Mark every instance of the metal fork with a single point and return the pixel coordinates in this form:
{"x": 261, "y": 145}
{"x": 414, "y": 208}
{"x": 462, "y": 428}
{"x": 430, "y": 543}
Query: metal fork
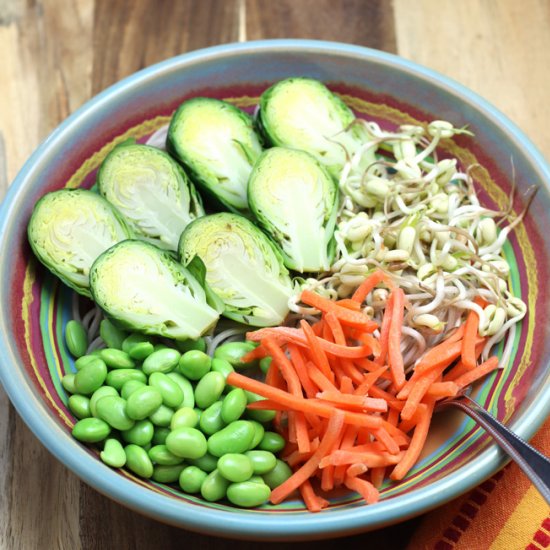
{"x": 533, "y": 463}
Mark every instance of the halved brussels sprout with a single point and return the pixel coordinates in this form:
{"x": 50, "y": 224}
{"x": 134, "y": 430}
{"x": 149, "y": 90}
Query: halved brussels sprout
{"x": 218, "y": 146}
{"x": 296, "y": 202}
{"x": 69, "y": 229}
{"x": 304, "y": 114}
{"x": 143, "y": 288}
{"x": 243, "y": 267}
{"x": 151, "y": 191}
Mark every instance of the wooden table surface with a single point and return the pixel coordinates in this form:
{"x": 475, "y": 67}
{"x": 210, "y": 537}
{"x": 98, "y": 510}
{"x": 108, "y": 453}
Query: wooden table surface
{"x": 56, "y": 54}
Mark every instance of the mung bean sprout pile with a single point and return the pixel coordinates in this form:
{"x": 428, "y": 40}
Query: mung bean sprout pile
{"x": 418, "y": 217}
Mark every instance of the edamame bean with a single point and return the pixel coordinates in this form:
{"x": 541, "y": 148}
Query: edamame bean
{"x": 68, "y": 382}
{"x": 191, "y": 479}
{"x": 90, "y": 377}
{"x": 162, "y": 360}
{"x": 187, "y": 443}
{"x": 278, "y": 475}
{"x": 186, "y": 388}
{"x": 113, "y": 453}
{"x": 233, "y": 352}
{"x": 265, "y": 363}
{"x": 214, "y": 486}
{"x": 186, "y": 417}
{"x": 91, "y": 430}
{"x": 112, "y": 409}
{"x": 111, "y": 334}
{"x": 272, "y": 441}
{"x": 76, "y": 338}
{"x": 187, "y": 345}
{"x": 143, "y": 402}
{"x": 117, "y": 378}
{"x": 138, "y": 346}
{"x": 234, "y": 405}
{"x": 209, "y": 389}
{"x": 86, "y": 360}
{"x": 116, "y": 359}
{"x": 160, "y": 454}
{"x": 167, "y": 474}
{"x": 211, "y": 419}
{"x": 98, "y": 394}
{"x": 222, "y": 366}
{"x": 141, "y": 433}
{"x": 80, "y": 406}
{"x": 128, "y": 388}
{"x": 262, "y": 461}
{"x": 172, "y": 394}
{"x": 194, "y": 364}
{"x": 258, "y": 436}
{"x": 162, "y": 416}
{"x": 160, "y": 435}
{"x": 138, "y": 461}
{"x": 234, "y": 438}
{"x": 256, "y": 479}
{"x": 248, "y": 494}
{"x": 259, "y": 415}
{"x": 235, "y": 467}
{"x": 207, "y": 463}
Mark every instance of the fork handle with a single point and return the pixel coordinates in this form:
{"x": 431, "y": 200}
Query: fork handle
{"x": 534, "y": 464}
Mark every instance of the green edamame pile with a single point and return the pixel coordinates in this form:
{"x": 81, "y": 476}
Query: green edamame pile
{"x": 166, "y": 413}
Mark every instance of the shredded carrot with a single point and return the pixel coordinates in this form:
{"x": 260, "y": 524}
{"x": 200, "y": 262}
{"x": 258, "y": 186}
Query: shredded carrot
{"x": 341, "y": 395}
{"x": 467, "y": 378}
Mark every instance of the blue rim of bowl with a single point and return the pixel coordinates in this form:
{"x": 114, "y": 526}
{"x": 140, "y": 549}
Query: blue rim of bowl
{"x": 242, "y": 524}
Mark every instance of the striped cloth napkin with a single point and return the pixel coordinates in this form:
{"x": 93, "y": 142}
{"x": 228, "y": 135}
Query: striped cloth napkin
{"x": 504, "y": 513}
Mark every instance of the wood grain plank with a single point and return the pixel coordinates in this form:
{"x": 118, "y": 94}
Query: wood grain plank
{"x": 132, "y": 34}
{"x": 363, "y": 22}
{"x": 499, "y": 49}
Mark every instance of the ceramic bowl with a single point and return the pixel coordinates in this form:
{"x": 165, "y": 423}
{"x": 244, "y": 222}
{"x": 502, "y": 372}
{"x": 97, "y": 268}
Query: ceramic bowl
{"x": 378, "y": 86}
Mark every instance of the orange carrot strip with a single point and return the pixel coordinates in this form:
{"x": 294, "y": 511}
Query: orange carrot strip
{"x": 316, "y": 351}
{"x": 363, "y": 487}
{"x": 485, "y": 368}
{"x": 346, "y": 385}
{"x": 460, "y": 368}
{"x": 313, "y": 502}
{"x": 345, "y": 315}
{"x": 257, "y": 353}
{"x": 440, "y": 356}
{"x": 350, "y": 370}
{"x": 471, "y": 327}
{"x": 283, "y": 335}
{"x": 442, "y": 389}
{"x": 386, "y": 439}
{"x": 455, "y": 336}
{"x": 300, "y": 367}
{"x": 355, "y": 470}
{"x": 333, "y": 323}
{"x": 391, "y": 400}
{"x": 385, "y": 331}
{"x": 377, "y": 475}
{"x": 417, "y": 443}
{"x": 394, "y": 339}
{"x": 327, "y": 476}
{"x": 359, "y": 401}
{"x": 301, "y": 404}
{"x": 302, "y": 436}
{"x": 349, "y": 303}
{"x": 369, "y": 380}
{"x": 334, "y": 429}
{"x": 367, "y": 286}
{"x": 417, "y": 393}
{"x": 285, "y": 366}
{"x": 319, "y": 379}
{"x": 373, "y": 459}
{"x": 348, "y": 439}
